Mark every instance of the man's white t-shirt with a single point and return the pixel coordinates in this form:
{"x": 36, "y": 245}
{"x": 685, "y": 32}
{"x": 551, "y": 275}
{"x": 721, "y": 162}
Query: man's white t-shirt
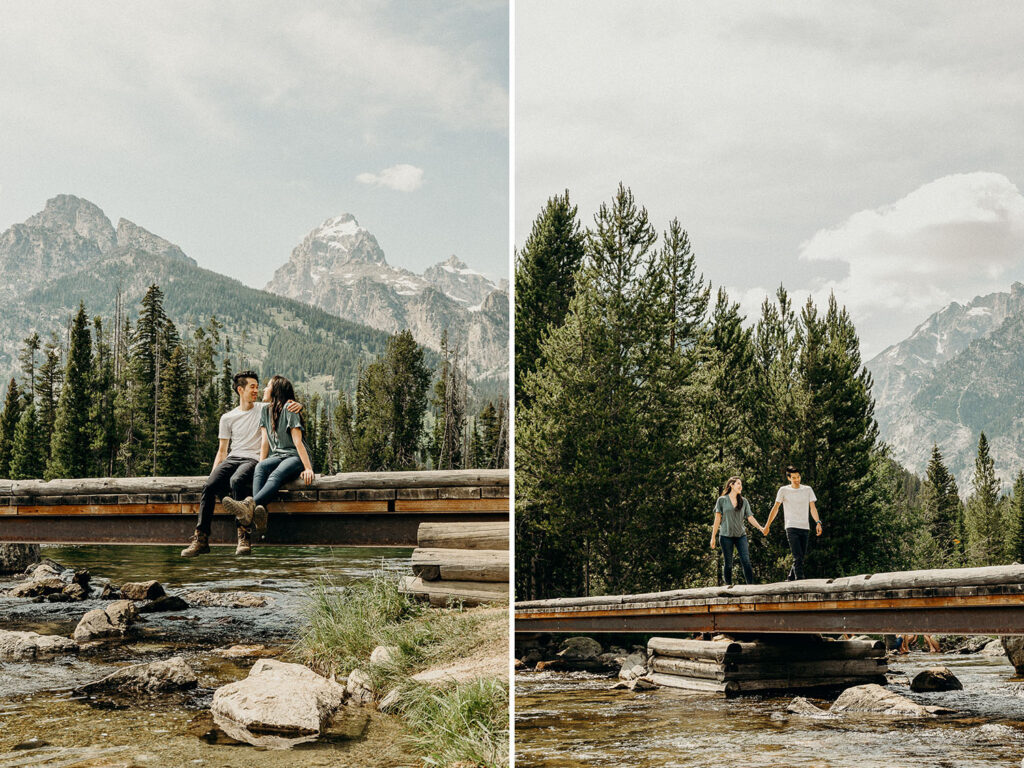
{"x": 796, "y": 505}
{"x": 242, "y": 428}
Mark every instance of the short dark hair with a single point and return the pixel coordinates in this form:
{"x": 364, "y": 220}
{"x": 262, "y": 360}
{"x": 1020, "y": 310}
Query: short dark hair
{"x": 791, "y": 469}
{"x": 241, "y": 376}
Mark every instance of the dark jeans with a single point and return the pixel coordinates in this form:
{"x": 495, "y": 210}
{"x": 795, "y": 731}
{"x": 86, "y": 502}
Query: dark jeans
{"x": 232, "y": 477}
{"x": 271, "y": 474}
{"x": 799, "y": 540}
{"x": 740, "y": 542}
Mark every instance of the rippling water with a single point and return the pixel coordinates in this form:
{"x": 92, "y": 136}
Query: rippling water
{"x": 574, "y": 720}
{"x": 43, "y": 723}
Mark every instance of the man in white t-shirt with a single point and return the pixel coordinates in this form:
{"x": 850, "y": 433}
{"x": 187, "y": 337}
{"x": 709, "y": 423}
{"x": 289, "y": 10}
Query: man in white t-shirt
{"x": 237, "y": 454}
{"x": 796, "y": 500}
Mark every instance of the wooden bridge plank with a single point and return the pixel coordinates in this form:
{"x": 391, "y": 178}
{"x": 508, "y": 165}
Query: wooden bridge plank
{"x": 451, "y": 505}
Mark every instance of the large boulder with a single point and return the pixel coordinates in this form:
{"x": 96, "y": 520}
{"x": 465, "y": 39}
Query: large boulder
{"x": 992, "y": 648}
{"x": 142, "y": 590}
{"x": 874, "y": 699}
{"x": 113, "y": 621}
{"x": 15, "y": 558}
{"x": 28, "y": 646}
{"x": 51, "y": 585}
{"x": 1014, "y": 647}
{"x": 156, "y": 677}
{"x": 633, "y": 666}
{"x": 580, "y": 649}
{"x": 935, "y": 679}
{"x": 279, "y": 698}
{"x": 206, "y": 598}
{"x": 803, "y": 707}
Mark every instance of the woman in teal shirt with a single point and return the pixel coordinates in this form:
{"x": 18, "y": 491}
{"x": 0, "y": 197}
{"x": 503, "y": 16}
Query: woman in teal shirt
{"x": 730, "y": 511}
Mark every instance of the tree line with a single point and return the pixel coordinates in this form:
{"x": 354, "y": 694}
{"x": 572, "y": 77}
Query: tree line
{"x": 640, "y": 390}
{"x": 124, "y": 398}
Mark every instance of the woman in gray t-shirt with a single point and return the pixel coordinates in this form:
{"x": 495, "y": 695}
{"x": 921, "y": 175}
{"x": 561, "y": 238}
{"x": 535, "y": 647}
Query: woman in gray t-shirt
{"x": 730, "y": 511}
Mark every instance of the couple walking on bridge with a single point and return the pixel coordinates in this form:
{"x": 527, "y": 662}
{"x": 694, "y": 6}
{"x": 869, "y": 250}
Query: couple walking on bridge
{"x": 732, "y": 509}
{"x": 261, "y": 448}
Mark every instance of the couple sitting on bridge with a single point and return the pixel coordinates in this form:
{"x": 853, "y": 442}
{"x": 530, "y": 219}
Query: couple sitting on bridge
{"x": 731, "y": 509}
{"x": 268, "y": 432}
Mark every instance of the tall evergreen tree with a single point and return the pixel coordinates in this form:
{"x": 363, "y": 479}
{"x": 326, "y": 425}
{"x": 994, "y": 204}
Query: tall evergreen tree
{"x": 943, "y": 512}
{"x": 175, "y": 436}
{"x": 69, "y": 443}
{"x": 449, "y": 410}
{"x": 28, "y": 458}
{"x": 49, "y": 376}
{"x": 982, "y": 515}
{"x": 102, "y": 418}
{"x": 27, "y": 358}
{"x": 9, "y": 418}
{"x": 1014, "y": 525}
{"x": 544, "y": 281}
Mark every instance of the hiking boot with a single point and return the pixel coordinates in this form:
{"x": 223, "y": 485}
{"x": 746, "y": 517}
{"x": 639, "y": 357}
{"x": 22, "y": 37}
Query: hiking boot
{"x": 259, "y": 519}
{"x": 200, "y": 545}
{"x": 244, "y": 542}
{"x": 242, "y": 510}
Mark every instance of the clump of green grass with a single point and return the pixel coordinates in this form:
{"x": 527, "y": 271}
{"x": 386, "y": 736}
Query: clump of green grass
{"x": 461, "y": 722}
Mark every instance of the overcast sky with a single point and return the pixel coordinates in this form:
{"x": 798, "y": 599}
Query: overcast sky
{"x": 873, "y": 149}
{"x": 232, "y": 128}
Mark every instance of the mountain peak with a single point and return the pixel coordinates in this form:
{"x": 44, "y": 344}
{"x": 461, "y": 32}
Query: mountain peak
{"x": 339, "y": 240}
{"x": 454, "y": 261}
{"x": 131, "y": 235}
{"x": 65, "y": 214}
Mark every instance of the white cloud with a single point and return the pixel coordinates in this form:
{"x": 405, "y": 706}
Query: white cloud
{"x": 949, "y": 240}
{"x": 401, "y": 177}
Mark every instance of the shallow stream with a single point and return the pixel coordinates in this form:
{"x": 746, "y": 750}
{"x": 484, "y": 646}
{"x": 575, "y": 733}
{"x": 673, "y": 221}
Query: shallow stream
{"x": 43, "y": 723}
{"x": 571, "y": 720}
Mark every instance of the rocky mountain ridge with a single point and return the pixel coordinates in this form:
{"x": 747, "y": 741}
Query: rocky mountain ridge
{"x": 957, "y": 374}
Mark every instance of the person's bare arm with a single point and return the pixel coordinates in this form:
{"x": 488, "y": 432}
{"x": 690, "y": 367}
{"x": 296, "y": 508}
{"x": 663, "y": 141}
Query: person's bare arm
{"x": 817, "y": 519}
{"x": 714, "y": 528}
{"x": 771, "y": 516}
{"x": 264, "y": 444}
{"x": 293, "y": 406}
{"x": 222, "y": 452}
{"x": 753, "y": 522}
{"x": 300, "y": 446}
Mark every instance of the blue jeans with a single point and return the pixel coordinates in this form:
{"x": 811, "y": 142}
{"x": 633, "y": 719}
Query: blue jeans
{"x": 740, "y": 542}
{"x": 271, "y": 474}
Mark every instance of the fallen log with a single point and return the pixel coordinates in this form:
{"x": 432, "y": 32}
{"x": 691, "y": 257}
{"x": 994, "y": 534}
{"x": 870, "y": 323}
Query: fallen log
{"x": 468, "y": 592}
{"x": 463, "y": 535}
{"x": 461, "y": 564}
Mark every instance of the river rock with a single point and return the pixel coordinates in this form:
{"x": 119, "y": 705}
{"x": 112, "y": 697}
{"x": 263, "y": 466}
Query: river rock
{"x": 246, "y": 652}
{"x": 163, "y": 604}
{"x": 75, "y": 592}
{"x": 359, "y": 686}
{"x": 100, "y": 623}
{"x": 532, "y": 656}
{"x": 142, "y": 590}
{"x": 155, "y": 677}
{"x": 992, "y": 648}
{"x": 801, "y": 706}
{"x": 27, "y": 646}
{"x": 50, "y": 585}
{"x": 873, "y": 698}
{"x": 15, "y": 558}
{"x": 935, "y": 679}
{"x": 279, "y": 698}
{"x": 49, "y": 569}
{"x": 207, "y": 599}
{"x": 633, "y": 666}
{"x": 552, "y": 665}
{"x": 1013, "y": 645}
{"x": 383, "y": 654}
{"x": 580, "y": 649}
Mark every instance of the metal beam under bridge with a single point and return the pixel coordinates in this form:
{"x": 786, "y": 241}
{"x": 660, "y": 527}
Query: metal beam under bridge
{"x": 350, "y": 509}
{"x": 965, "y": 601}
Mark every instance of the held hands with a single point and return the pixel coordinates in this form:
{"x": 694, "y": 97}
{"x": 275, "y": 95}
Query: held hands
{"x": 307, "y": 476}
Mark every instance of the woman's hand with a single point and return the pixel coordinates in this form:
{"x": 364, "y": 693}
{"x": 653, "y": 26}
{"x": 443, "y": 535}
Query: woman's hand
{"x": 712, "y": 542}
{"x": 307, "y": 476}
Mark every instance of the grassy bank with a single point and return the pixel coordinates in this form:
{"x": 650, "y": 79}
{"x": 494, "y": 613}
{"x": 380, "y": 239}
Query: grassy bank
{"x": 448, "y": 722}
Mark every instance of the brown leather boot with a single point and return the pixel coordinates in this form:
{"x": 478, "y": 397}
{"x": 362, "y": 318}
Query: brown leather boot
{"x": 244, "y": 542}
{"x": 200, "y": 545}
{"x": 242, "y": 510}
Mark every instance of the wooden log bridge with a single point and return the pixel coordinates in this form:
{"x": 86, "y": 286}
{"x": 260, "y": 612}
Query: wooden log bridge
{"x": 953, "y": 601}
{"x": 350, "y": 509}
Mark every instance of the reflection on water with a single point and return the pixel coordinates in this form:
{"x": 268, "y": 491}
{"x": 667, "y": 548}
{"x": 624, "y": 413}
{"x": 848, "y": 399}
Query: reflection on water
{"x": 573, "y": 720}
{"x": 42, "y": 722}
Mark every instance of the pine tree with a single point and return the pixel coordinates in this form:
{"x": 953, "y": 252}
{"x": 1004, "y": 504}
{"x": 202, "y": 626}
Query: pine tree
{"x": 175, "y": 437}
{"x": 1014, "y": 526}
{"x": 27, "y": 458}
{"x": 490, "y": 433}
{"x": 9, "y": 417}
{"x": 544, "y": 282}
{"x": 345, "y": 445}
{"x": 449, "y": 411}
{"x": 70, "y": 441}
{"x": 982, "y": 515}
{"x": 102, "y": 419}
{"x": 27, "y": 358}
{"x": 49, "y": 376}
{"x": 943, "y": 512}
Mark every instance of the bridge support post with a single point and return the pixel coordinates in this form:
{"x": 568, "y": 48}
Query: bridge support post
{"x": 779, "y": 663}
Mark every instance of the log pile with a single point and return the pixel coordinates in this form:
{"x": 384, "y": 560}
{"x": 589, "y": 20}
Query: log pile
{"x": 460, "y": 562}
{"x": 770, "y": 664}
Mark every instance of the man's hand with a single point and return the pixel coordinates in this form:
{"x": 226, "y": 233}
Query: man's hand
{"x": 765, "y": 530}
{"x": 818, "y": 531}
{"x": 293, "y": 406}
{"x": 712, "y": 542}
{"x": 307, "y": 476}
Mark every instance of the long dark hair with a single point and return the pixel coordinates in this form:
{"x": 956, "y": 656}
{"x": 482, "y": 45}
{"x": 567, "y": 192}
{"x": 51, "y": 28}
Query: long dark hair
{"x": 728, "y": 487}
{"x": 281, "y": 391}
